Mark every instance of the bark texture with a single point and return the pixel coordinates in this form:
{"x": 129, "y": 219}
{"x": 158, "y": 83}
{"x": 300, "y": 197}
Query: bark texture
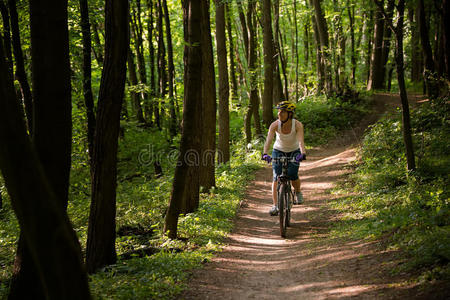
{"x": 192, "y": 15}
{"x": 100, "y": 248}
{"x": 223, "y": 147}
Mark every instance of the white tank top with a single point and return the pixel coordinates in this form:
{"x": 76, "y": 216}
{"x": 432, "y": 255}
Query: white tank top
{"x": 286, "y": 142}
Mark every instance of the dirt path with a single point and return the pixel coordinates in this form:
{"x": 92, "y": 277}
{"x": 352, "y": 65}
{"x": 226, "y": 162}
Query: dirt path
{"x": 257, "y": 263}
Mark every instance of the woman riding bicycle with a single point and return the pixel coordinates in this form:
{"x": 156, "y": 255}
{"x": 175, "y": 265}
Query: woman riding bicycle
{"x": 289, "y": 143}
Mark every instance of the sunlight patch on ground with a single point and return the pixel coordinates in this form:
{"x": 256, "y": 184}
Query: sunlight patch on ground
{"x": 307, "y": 286}
{"x": 317, "y": 185}
{"x": 351, "y": 290}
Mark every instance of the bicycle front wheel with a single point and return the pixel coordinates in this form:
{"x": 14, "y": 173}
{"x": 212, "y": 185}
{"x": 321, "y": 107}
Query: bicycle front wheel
{"x": 283, "y": 206}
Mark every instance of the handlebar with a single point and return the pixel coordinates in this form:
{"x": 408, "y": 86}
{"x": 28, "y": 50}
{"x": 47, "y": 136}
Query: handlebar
{"x": 284, "y": 159}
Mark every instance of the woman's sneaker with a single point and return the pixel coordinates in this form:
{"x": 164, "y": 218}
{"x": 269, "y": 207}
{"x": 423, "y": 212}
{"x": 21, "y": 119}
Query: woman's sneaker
{"x": 274, "y": 210}
{"x": 298, "y": 199}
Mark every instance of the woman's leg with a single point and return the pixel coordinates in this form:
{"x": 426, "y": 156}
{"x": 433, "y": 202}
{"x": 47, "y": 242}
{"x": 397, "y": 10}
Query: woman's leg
{"x": 274, "y": 192}
{"x": 296, "y": 184}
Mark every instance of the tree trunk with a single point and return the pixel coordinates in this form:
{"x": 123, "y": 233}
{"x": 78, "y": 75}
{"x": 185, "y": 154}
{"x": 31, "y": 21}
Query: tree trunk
{"x": 190, "y": 139}
{"x": 446, "y": 33}
{"x": 306, "y": 37}
{"x": 438, "y": 57}
{"x": 267, "y": 101}
{"x": 134, "y": 95}
{"x": 228, "y": 21}
{"x": 253, "y": 110}
{"x": 21, "y": 75}
{"x": 401, "y": 84}
{"x": 389, "y": 79}
{"x": 6, "y": 37}
{"x": 416, "y": 54}
{"x": 322, "y": 29}
{"x": 428, "y": 72}
{"x": 48, "y": 247}
{"x": 162, "y": 75}
{"x": 369, "y": 41}
{"x": 351, "y": 17}
{"x": 139, "y": 47}
{"x": 376, "y": 60}
{"x": 100, "y": 248}
{"x": 171, "y": 70}
{"x": 296, "y": 52}
{"x": 319, "y": 61}
{"x": 98, "y": 49}
{"x": 209, "y": 106}
{"x": 283, "y": 62}
{"x": 45, "y": 227}
{"x": 223, "y": 147}
{"x": 277, "y": 85}
{"x": 245, "y": 32}
{"x": 386, "y": 41}
{"x": 245, "y": 35}
{"x": 150, "y": 105}
{"x": 87, "y": 87}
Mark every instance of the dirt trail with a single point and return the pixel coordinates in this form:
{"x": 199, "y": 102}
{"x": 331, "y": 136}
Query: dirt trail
{"x": 257, "y": 263}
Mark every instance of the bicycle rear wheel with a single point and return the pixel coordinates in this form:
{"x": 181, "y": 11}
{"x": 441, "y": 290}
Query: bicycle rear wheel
{"x": 288, "y": 208}
{"x": 282, "y": 206}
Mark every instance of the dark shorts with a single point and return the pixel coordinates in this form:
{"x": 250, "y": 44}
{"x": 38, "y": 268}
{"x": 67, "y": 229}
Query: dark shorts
{"x": 292, "y": 167}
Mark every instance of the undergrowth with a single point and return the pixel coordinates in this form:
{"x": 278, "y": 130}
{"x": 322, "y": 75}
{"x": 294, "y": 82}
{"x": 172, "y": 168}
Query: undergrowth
{"x": 410, "y": 211}
{"x": 324, "y": 118}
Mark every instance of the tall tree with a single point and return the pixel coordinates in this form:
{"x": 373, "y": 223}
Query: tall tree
{"x": 253, "y": 107}
{"x": 150, "y": 104}
{"x": 295, "y": 58}
{"x": 209, "y": 106}
{"x": 278, "y": 94}
{"x": 409, "y": 148}
{"x": 137, "y": 30}
{"x": 267, "y": 100}
{"x": 428, "y": 72}
{"x": 406, "y": 122}
{"x": 231, "y": 51}
{"x": 376, "y": 66}
{"x": 416, "y": 54}
{"x": 87, "y": 86}
{"x": 320, "y": 67}
{"x": 20, "y": 74}
{"x": 351, "y": 17}
{"x": 100, "y": 248}
{"x": 322, "y": 30}
{"x": 98, "y": 49}
{"x": 171, "y": 72}
{"x": 386, "y": 45}
{"x": 190, "y": 139}
{"x": 223, "y": 147}
{"x": 6, "y": 36}
{"x": 161, "y": 57}
{"x": 46, "y": 231}
{"x": 446, "y": 18}
{"x": 134, "y": 82}
{"x": 52, "y": 137}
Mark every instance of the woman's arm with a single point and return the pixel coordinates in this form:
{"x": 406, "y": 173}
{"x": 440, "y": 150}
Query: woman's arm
{"x": 269, "y": 138}
{"x": 300, "y": 137}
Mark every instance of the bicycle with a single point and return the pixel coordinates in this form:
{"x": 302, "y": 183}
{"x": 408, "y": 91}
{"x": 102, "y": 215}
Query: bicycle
{"x": 285, "y": 194}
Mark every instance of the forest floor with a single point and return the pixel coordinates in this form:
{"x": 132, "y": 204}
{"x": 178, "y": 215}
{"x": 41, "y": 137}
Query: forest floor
{"x": 256, "y": 263}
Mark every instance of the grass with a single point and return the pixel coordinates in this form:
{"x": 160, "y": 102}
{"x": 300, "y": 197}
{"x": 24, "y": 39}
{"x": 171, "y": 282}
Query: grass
{"x": 410, "y": 210}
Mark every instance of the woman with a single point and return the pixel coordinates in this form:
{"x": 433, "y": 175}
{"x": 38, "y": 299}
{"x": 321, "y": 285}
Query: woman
{"x": 289, "y": 143}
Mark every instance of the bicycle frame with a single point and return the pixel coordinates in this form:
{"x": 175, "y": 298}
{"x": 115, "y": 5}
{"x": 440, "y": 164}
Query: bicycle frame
{"x": 285, "y": 194}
